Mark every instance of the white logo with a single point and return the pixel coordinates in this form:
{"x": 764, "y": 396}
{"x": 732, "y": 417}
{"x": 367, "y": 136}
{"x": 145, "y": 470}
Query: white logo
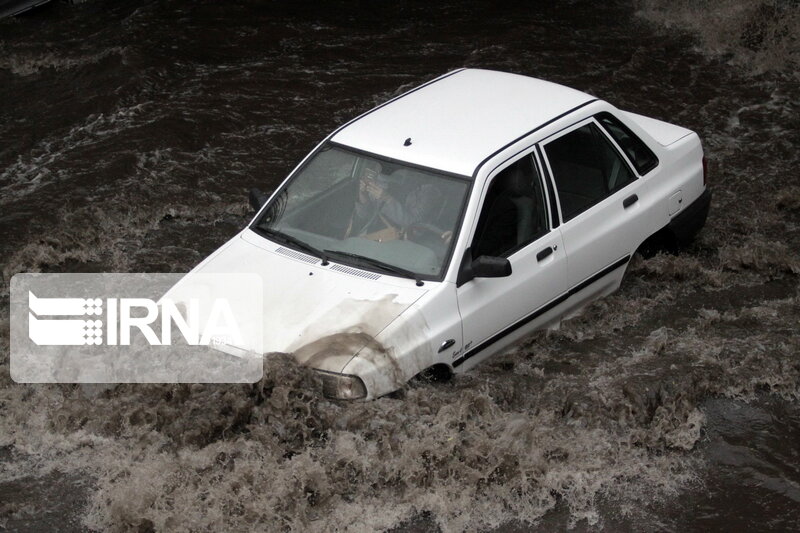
{"x": 136, "y": 328}
{"x": 121, "y": 318}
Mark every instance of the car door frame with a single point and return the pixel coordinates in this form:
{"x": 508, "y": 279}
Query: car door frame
{"x": 509, "y": 331}
{"x": 607, "y": 277}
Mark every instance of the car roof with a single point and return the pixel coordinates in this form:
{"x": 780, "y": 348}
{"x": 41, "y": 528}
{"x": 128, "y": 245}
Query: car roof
{"x": 457, "y": 120}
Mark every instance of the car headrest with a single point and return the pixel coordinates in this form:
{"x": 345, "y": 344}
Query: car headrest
{"x": 517, "y": 181}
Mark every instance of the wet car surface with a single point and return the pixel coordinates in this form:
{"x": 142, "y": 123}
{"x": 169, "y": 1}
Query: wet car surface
{"x": 460, "y": 216}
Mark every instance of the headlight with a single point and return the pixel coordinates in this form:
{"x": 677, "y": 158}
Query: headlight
{"x": 342, "y": 386}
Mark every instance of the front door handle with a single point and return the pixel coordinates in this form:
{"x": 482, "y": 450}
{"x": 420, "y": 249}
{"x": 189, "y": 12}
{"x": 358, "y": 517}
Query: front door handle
{"x": 541, "y": 256}
{"x": 629, "y": 201}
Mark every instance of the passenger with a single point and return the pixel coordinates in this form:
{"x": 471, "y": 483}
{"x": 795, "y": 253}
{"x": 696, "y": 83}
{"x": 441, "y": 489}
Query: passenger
{"x": 422, "y": 206}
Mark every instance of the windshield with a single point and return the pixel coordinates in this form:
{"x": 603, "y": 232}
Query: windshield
{"x": 369, "y": 212}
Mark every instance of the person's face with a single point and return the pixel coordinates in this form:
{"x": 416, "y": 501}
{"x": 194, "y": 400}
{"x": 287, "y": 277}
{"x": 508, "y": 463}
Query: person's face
{"x": 368, "y": 187}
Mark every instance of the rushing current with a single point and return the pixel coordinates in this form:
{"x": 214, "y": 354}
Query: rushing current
{"x": 130, "y": 132}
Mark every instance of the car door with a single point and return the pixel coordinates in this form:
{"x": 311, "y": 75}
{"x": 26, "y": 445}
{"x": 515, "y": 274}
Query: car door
{"x": 513, "y": 222}
{"x": 600, "y": 199}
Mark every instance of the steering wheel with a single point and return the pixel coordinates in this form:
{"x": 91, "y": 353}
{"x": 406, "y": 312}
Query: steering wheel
{"x": 423, "y": 233}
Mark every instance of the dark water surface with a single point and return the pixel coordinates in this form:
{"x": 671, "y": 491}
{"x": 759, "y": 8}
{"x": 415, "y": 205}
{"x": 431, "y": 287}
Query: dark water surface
{"x": 129, "y": 135}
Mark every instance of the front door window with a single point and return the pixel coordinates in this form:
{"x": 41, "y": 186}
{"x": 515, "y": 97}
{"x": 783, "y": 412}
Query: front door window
{"x": 513, "y": 212}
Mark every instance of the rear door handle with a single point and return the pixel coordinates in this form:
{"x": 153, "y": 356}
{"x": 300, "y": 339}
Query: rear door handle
{"x": 629, "y": 201}
{"x": 541, "y": 256}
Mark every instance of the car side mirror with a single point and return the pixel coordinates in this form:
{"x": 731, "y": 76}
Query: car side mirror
{"x": 484, "y": 266}
{"x": 491, "y": 267}
{"x": 257, "y": 198}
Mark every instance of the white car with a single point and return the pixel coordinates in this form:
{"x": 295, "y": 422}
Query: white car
{"x": 440, "y": 227}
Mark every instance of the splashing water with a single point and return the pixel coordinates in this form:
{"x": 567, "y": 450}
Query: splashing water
{"x": 128, "y": 144}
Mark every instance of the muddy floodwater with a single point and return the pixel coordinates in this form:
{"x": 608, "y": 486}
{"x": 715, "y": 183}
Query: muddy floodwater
{"x": 130, "y": 132}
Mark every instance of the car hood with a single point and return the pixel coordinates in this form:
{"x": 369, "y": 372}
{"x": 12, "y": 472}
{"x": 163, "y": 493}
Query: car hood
{"x": 322, "y": 316}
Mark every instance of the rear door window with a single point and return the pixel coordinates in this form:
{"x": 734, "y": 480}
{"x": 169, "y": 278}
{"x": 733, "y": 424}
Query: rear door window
{"x": 586, "y": 168}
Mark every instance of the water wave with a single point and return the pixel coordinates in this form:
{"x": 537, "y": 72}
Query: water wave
{"x": 29, "y": 63}
{"x": 761, "y": 36}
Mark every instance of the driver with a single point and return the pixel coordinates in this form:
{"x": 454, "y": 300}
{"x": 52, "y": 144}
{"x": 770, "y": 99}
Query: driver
{"x": 379, "y": 216}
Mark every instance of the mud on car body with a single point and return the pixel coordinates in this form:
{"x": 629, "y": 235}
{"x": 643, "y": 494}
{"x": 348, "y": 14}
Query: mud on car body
{"x": 440, "y": 227}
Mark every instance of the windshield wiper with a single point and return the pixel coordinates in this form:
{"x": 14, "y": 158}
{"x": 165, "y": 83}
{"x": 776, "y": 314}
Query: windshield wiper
{"x": 377, "y": 264}
{"x": 285, "y": 238}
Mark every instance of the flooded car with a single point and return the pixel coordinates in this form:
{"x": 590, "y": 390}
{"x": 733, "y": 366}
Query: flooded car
{"x": 444, "y": 225}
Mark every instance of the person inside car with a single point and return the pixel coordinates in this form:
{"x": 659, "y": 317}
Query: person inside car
{"x": 378, "y": 215}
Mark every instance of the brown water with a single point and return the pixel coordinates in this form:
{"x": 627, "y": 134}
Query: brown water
{"x": 129, "y": 134}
